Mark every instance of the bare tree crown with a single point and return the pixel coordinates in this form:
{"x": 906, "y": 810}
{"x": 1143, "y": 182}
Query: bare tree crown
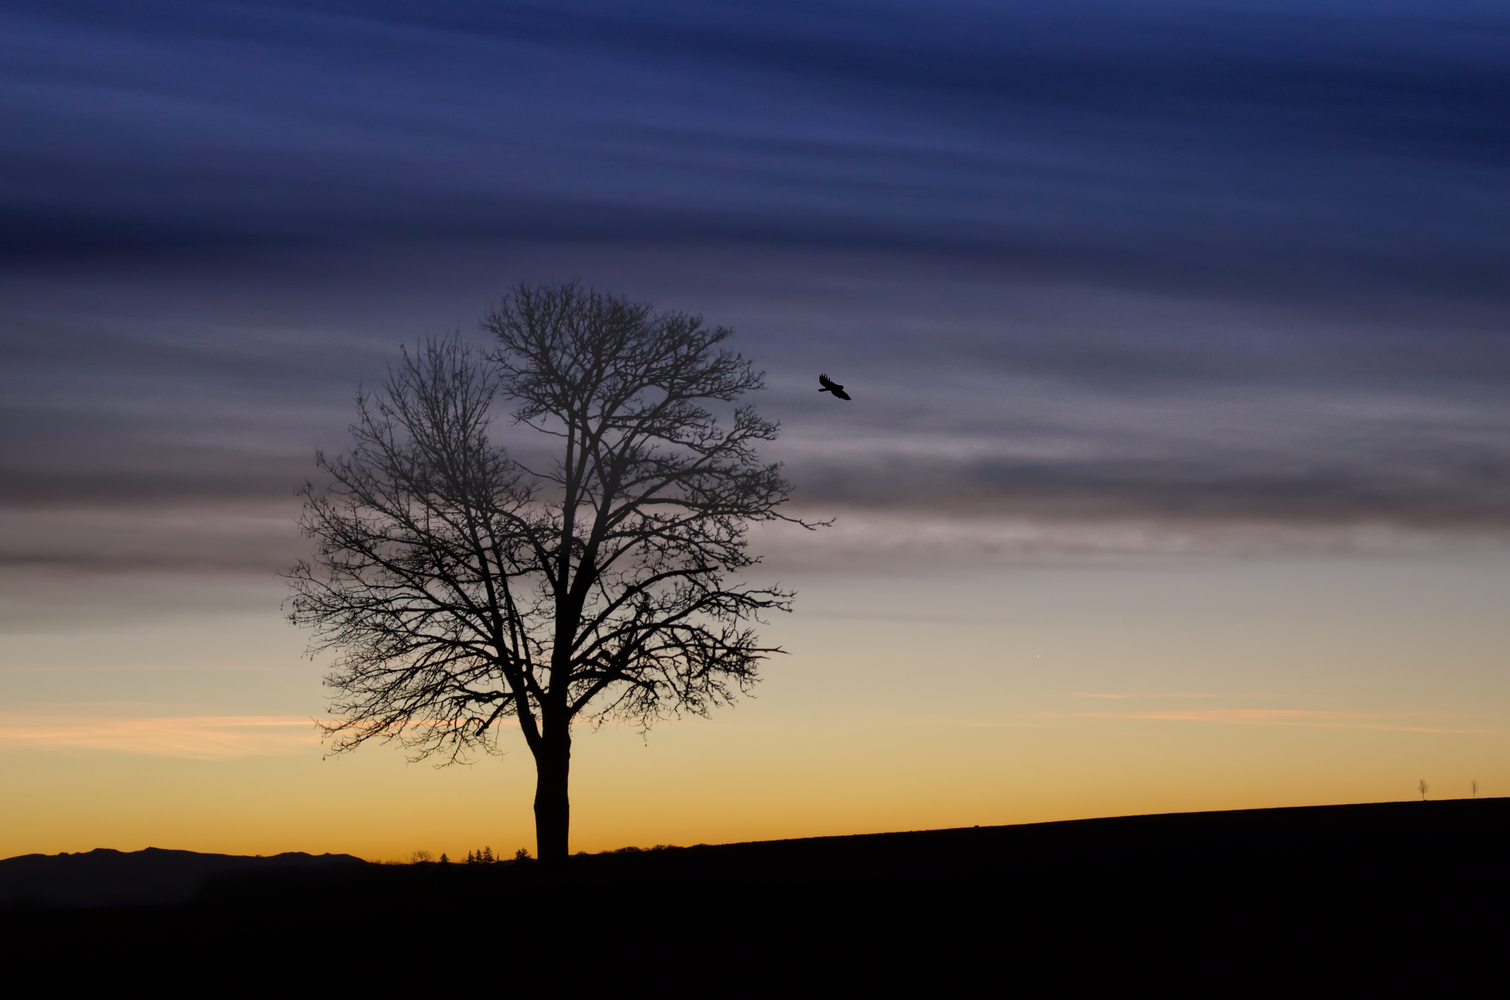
{"x": 461, "y": 588}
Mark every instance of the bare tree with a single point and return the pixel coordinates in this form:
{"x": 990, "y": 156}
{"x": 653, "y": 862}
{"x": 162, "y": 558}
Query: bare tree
{"x": 1423, "y": 788}
{"x": 463, "y": 590}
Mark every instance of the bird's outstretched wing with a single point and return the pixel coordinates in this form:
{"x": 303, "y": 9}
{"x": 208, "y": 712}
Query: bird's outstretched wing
{"x": 829, "y": 385}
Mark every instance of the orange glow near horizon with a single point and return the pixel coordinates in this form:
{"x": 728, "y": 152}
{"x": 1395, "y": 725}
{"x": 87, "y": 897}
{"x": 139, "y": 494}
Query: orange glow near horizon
{"x": 957, "y": 699}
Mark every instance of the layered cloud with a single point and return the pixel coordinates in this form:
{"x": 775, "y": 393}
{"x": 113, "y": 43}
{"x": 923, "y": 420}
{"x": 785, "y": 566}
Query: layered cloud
{"x": 1298, "y": 147}
{"x": 1146, "y": 276}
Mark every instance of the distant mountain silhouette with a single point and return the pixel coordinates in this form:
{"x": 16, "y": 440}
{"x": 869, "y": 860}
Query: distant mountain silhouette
{"x": 104, "y": 877}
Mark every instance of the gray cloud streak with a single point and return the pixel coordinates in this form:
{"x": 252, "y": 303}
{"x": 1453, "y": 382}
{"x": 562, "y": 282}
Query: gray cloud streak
{"x": 975, "y": 395}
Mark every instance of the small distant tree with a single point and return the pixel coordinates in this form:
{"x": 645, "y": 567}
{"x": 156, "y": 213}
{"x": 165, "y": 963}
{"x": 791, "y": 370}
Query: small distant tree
{"x": 1422, "y": 787}
{"x": 443, "y": 859}
{"x": 464, "y": 589}
{"x": 421, "y": 857}
{"x": 523, "y": 854}
{"x": 1475, "y": 788}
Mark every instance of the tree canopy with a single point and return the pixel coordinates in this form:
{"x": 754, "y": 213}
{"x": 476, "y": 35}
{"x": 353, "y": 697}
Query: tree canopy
{"x": 463, "y": 589}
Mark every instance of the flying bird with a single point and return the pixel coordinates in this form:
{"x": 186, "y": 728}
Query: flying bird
{"x": 831, "y": 386}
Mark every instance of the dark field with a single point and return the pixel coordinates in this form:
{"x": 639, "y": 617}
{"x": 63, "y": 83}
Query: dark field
{"x": 1270, "y": 887}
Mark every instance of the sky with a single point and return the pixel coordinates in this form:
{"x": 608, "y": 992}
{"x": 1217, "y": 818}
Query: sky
{"x": 1177, "y": 474}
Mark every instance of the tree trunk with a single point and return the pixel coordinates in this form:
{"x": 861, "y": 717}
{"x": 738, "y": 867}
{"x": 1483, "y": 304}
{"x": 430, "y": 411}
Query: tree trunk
{"x": 552, "y": 806}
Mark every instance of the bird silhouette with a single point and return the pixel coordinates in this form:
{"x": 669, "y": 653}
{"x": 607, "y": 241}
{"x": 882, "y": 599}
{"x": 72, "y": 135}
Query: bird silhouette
{"x": 829, "y": 385}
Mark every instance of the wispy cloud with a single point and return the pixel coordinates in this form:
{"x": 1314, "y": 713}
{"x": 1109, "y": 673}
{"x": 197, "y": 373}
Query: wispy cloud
{"x": 1159, "y": 694}
{"x": 1414, "y": 722}
{"x": 1313, "y": 718}
{"x": 1238, "y": 715}
{"x": 199, "y": 737}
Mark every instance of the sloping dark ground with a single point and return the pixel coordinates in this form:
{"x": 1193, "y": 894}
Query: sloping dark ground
{"x": 1270, "y": 887}
{"x": 104, "y": 877}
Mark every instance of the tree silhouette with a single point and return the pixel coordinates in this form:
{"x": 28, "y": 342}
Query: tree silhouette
{"x": 1423, "y": 788}
{"x": 463, "y": 589}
